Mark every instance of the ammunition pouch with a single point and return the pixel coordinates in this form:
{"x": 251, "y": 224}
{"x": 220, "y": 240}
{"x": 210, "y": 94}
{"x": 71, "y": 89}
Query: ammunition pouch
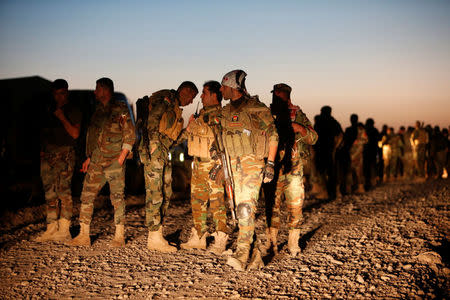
{"x": 173, "y": 131}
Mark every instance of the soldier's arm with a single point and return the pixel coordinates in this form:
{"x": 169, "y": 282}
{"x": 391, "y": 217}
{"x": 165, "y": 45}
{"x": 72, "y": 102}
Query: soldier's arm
{"x": 303, "y": 127}
{"x": 268, "y": 125}
{"x": 72, "y": 129}
{"x": 128, "y": 134}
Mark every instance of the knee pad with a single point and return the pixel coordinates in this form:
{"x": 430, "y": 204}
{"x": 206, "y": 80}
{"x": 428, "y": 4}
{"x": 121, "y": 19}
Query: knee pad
{"x": 243, "y": 211}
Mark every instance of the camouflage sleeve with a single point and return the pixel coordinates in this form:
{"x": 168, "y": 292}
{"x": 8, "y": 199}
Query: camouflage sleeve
{"x": 267, "y": 124}
{"x": 158, "y": 105}
{"x": 128, "y": 134}
{"x": 311, "y": 135}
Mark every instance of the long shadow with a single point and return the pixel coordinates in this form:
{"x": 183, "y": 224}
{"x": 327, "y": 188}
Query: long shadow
{"x": 303, "y": 241}
{"x": 174, "y": 237}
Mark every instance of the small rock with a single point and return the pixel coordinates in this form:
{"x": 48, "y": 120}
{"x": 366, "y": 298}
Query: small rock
{"x": 359, "y": 279}
{"x": 385, "y": 278}
{"x": 429, "y": 258}
{"x": 407, "y": 267}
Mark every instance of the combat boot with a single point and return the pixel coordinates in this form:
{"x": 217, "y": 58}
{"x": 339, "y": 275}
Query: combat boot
{"x": 256, "y": 261}
{"x": 239, "y": 258}
{"x": 119, "y": 236}
{"x": 272, "y": 238}
{"x": 315, "y": 189}
{"x": 157, "y": 242}
{"x": 48, "y": 234}
{"x": 360, "y": 189}
{"x": 322, "y": 195}
{"x": 83, "y": 238}
{"x": 63, "y": 233}
{"x": 194, "y": 241}
{"x": 293, "y": 247}
{"x": 220, "y": 243}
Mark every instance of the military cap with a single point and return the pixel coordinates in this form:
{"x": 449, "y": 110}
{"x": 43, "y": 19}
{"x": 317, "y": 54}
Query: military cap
{"x": 281, "y": 87}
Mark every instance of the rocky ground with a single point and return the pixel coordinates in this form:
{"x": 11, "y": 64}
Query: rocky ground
{"x": 391, "y": 242}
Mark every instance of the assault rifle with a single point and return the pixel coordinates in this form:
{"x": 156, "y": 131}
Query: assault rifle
{"x": 225, "y": 162}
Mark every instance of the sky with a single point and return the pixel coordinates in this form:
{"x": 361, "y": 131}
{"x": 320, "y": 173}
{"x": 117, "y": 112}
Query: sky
{"x": 388, "y": 60}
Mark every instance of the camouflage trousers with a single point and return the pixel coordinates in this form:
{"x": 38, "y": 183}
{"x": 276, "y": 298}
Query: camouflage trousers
{"x": 419, "y": 155}
{"x": 100, "y": 172}
{"x": 291, "y": 187}
{"x": 408, "y": 165}
{"x": 158, "y": 187}
{"x": 390, "y": 166}
{"x": 356, "y": 170}
{"x": 247, "y": 178}
{"x": 202, "y": 190}
{"x": 56, "y": 174}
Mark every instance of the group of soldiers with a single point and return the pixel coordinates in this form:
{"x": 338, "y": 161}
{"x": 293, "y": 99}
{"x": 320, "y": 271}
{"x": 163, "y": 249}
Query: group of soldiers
{"x": 235, "y": 149}
{"x": 361, "y": 157}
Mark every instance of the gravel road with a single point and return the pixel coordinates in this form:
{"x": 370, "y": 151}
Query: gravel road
{"x": 391, "y": 242}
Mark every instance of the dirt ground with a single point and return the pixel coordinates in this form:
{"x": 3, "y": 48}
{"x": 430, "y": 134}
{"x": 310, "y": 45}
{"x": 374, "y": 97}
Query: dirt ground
{"x": 391, "y": 242}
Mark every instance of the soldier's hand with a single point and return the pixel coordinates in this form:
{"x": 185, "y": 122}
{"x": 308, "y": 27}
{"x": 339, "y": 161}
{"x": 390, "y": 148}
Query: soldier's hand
{"x": 269, "y": 171}
{"x": 85, "y": 165}
{"x": 213, "y": 152}
{"x": 59, "y": 113}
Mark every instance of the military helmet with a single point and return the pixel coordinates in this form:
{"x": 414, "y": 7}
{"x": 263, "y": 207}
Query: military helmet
{"x": 235, "y": 79}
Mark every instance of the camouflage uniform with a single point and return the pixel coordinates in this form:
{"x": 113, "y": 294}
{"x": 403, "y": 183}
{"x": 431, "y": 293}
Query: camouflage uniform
{"x": 57, "y": 163}
{"x": 163, "y": 127}
{"x": 407, "y": 157}
{"x": 110, "y": 131}
{"x": 395, "y": 144}
{"x": 356, "y": 157}
{"x": 290, "y": 184}
{"x": 419, "y": 140}
{"x": 248, "y": 130}
{"x": 200, "y": 138}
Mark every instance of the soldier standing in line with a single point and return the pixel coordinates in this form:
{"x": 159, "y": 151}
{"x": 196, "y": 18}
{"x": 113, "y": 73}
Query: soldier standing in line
{"x": 200, "y": 138}
{"x": 371, "y": 153}
{"x": 249, "y": 136}
{"x": 407, "y": 156}
{"x": 294, "y": 140}
{"x": 419, "y": 141}
{"x": 163, "y": 127}
{"x": 58, "y": 137}
{"x": 395, "y": 144}
{"x": 356, "y": 159}
{"x": 109, "y": 139}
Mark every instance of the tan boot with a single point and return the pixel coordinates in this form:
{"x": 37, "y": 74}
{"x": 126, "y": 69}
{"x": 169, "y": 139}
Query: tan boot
{"x": 322, "y": 195}
{"x": 220, "y": 243}
{"x": 360, "y": 189}
{"x": 63, "y": 233}
{"x": 256, "y": 261}
{"x": 194, "y": 241}
{"x": 239, "y": 258}
{"x": 315, "y": 189}
{"x": 273, "y": 239}
{"x": 157, "y": 242}
{"x": 82, "y": 239}
{"x": 293, "y": 247}
{"x": 119, "y": 236}
{"x": 48, "y": 234}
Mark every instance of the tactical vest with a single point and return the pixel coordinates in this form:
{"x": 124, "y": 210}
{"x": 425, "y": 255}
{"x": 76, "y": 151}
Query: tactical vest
{"x": 242, "y": 134}
{"x": 201, "y": 136}
{"x": 174, "y": 131}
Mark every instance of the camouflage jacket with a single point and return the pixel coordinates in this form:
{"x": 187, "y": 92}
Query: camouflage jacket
{"x": 395, "y": 142}
{"x": 248, "y": 128}
{"x": 302, "y": 143}
{"x": 162, "y": 104}
{"x": 110, "y": 131}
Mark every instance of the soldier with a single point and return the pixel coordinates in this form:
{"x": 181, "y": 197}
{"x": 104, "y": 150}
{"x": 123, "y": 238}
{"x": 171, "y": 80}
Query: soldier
{"x": 419, "y": 141}
{"x": 295, "y": 136}
{"x": 163, "y": 127}
{"x": 249, "y": 136}
{"x": 356, "y": 157}
{"x": 327, "y": 151}
{"x": 407, "y": 157}
{"x": 371, "y": 153}
{"x": 109, "y": 139}
{"x": 200, "y": 138}
{"x": 394, "y": 144}
{"x": 58, "y": 138}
